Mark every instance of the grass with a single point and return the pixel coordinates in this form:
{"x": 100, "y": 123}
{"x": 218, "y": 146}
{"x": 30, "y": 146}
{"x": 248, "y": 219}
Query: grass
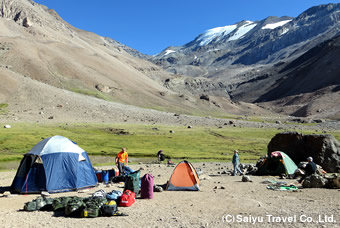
{"x": 91, "y": 93}
{"x": 195, "y": 144}
{"x": 3, "y": 108}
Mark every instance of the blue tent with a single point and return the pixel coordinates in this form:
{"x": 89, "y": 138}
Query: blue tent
{"x": 56, "y": 164}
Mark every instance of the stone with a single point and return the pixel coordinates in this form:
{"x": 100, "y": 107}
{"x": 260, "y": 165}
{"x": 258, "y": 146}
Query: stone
{"x": 204, "y": 97}
{"x": 314, "y": 181}
{"x": 27, "y": 22}
{"x": 246, "y": 178}
{"x": 323, "y": 148}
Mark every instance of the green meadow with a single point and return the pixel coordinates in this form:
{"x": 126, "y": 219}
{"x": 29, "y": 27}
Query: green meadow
{"x": 194, "y": 144}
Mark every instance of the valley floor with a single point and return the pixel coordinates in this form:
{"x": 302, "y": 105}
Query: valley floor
{"x": 221, "y": 199}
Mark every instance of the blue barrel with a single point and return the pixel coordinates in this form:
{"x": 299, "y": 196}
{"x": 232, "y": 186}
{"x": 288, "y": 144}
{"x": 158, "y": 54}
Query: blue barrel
{"x": 105, "y": 176}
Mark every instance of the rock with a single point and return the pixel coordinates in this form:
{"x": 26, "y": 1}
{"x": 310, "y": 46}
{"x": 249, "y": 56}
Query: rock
{"x": 103, "y": 88}
{"x": 51, "y": 118}
{"x": 318, "y": 121}
{"x": 278, "y": 122}
{"x": 27, "y": 22}
{"x": 314, "y": 181}
{"x": 246, "y": 178}
{"x": 204, "y": 97}
{"x": 324, "y": 149}
{"x": 157, "y": 188}
{"x": 7, "y": 126}
{"x": 333, "y": 180}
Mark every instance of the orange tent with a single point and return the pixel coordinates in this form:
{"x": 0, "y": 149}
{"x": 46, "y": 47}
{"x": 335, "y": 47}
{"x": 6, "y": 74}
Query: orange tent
{"x": 184, "y": 177}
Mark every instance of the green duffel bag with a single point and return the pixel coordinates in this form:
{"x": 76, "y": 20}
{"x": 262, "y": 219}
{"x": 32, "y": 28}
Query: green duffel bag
{"x": 132, "y": 182}
{"x": 60, "y": 203}
{"x": 90, "y": 212}
{"x": 93, "y": 207}
{"x": 35, "y": 204}
{"x": 74, "y": 207}
{"x": 30, "y": 206}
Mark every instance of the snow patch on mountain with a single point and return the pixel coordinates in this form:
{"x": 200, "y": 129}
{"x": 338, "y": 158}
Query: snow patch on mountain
{"x": 211, "y": 34}
{"x": 241, "y": 31}
{"x": 167, "y": 52}
{"x": 275, "y": 25}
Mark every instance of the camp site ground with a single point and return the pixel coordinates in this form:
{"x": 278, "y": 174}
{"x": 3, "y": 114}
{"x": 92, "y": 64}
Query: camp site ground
{"x": 223, "y": 201}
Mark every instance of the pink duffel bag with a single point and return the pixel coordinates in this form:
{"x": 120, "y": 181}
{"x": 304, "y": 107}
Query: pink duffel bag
{"x": 147, "y": 186}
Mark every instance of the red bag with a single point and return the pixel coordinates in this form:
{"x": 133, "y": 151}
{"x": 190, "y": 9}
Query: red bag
{"x": 127, "y": 199}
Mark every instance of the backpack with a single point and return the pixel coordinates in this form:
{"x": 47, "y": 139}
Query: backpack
{"x": 109, "y": 208}
{"x": 132, "y": 182}
{"x": 100, "y": 193}
{"x": 114, "y": 195}
{"x": 147, "y": 186}
{"x": 127, "y": 199}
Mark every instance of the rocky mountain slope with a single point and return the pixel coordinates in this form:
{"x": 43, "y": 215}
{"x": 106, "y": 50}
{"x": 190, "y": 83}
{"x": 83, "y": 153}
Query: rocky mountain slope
{"x": 260, "y": 61}
{"x": 247, "y": 42}
{"x": 36, "y": 43}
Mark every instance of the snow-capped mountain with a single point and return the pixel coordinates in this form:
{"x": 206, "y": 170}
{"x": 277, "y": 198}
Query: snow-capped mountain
{"x": 247, "y": 43}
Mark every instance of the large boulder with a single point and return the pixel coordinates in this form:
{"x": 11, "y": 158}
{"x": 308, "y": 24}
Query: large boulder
{"x": 324, "y": 149}
{"x": 314, "y": 181}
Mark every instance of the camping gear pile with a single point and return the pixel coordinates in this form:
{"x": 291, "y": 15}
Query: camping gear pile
{"x": 57, "y": 164}
{"x": 279, "y": 185}
{"x": 99, "y": 204}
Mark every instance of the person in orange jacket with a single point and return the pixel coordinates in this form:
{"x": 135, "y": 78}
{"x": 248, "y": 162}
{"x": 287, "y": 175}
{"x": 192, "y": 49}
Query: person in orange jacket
{"x": 121, "y": 160}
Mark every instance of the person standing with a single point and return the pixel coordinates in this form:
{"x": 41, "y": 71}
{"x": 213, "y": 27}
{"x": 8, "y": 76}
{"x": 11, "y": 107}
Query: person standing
{"x": 121, "y": 160}
{"x": 236, "y": 163}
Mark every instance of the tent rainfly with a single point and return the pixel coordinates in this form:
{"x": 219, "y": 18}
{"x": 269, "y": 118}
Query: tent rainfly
{"x": 183, "y": 178}
{"x": 276, "y": 164}
{"x": 55, "y": 164}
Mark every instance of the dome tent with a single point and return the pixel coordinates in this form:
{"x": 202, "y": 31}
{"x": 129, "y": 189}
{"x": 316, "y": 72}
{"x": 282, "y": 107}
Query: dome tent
{"x": 55, "y": 164}
{"x": 276, "y": 164}
{"x": 183, "y": 178}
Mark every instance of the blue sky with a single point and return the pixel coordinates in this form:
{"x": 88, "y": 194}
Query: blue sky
{"x": 152, "y": 25}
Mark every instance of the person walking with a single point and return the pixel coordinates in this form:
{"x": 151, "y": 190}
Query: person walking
{"x": 121, "y": 160}
{"x": 236, "y": 163}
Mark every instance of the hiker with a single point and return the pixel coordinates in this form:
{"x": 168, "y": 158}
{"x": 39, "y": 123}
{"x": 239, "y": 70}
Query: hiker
{"x": 309, "y": 169}
{"x": 160, "y": 156}
{"x": 236, "y": 163}
{"x": 121, "y": 160}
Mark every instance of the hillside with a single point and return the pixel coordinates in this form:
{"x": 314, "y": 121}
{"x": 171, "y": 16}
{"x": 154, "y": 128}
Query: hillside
{"x": 36, "y": 43}
{"x": 278, "y": 59}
